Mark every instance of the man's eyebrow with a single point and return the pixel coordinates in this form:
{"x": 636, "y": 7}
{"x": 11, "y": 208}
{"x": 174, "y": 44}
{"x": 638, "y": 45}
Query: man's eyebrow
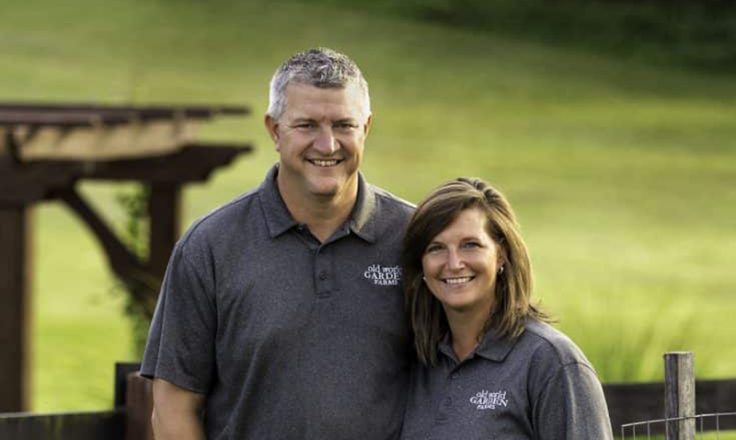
{"x": 304, "y": 119}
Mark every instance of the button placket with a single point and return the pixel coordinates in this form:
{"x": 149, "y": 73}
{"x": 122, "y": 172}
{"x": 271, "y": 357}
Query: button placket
{"x": 322, "y": 275}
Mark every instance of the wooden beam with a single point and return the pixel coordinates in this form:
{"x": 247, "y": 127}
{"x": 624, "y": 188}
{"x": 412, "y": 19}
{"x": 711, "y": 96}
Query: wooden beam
{"x": 108, "y": 425}
{"x": 21, "y": 184}
{"x": 193, "y": 162}
{"x": 127, "y": 267}
{"x": 164, "y": 211}
{"x": 124, "y": 263}
{"x": 122, "y": 370}
{"x": 8, "y": 119}
{"x": 15, "y": 302}
{"x": 144, "y": 112}
{"x": 39, "y": 180}
{"x": 105, "y": 142}
{"x": 138, "y": 408}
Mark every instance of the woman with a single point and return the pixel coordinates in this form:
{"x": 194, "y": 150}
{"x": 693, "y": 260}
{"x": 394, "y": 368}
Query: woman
{"x": 490, "y": 366}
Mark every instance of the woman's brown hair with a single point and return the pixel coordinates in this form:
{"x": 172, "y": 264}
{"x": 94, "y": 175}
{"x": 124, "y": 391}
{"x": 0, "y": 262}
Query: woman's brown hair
{"x": 512, "y": 295}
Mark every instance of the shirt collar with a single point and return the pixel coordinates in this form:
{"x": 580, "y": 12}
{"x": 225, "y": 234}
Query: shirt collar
{"x": 495, "y": 348}
{"x": 362, "y": 221}
{"x": 278, "y": 218}
{"x": 492, "y": 347}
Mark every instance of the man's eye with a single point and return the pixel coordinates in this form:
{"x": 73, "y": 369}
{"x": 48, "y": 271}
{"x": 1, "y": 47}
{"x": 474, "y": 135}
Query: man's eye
{"x": 345, "y": 126}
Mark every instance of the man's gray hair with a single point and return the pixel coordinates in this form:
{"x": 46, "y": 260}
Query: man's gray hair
{"x": 320, "y": 67}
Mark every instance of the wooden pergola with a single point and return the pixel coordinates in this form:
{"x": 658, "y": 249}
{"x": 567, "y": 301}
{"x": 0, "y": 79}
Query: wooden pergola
{"x": 45, "y": 149}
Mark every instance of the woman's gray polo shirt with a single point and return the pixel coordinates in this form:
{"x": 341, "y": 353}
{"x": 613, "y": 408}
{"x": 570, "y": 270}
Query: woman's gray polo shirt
{"x": 539, "y": 386}
{"x": 288, "y": 338}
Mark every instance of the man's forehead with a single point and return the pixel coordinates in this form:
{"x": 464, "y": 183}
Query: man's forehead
{"x": 300, "y": 88}
{"x": 304, "y": 98}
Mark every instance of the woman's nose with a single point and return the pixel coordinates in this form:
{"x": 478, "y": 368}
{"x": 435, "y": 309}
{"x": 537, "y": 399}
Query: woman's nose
{"x": 454, "y": 260}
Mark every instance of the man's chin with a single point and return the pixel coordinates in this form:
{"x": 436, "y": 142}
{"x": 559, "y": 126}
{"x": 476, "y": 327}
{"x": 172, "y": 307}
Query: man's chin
{"x": 327, "y": 189}
{"x": 325, "y": 192}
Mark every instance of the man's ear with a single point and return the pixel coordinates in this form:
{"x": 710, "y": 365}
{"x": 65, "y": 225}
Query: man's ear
{"x": 367, "y": 126}
{"x": 272, "y": 126}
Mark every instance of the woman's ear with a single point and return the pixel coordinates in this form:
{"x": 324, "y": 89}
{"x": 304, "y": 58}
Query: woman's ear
{"x": 501, "y": 258}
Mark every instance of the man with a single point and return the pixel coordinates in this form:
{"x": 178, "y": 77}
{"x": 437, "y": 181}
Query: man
{"x": 281, "y": 314}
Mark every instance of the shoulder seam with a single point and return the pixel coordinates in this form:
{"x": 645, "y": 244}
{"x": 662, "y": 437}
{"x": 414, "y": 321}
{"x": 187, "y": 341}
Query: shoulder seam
{"x": 383, "y": 194}
{"x": 560, "y": 361}
{"x": 197, "y": 223}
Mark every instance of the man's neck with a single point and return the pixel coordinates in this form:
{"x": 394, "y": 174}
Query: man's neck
{"x": 322, "y": 214}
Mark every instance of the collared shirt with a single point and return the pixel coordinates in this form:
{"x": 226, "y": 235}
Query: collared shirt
{"x": 537, "y": 386}
{"x": 288, "y": 337}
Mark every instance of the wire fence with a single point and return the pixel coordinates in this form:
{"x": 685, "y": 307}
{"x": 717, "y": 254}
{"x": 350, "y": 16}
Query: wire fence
{"x": 701, "y": 426}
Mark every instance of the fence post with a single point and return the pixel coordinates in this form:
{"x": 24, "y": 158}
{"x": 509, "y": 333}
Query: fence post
{"x": 679, "y": 395}
{"x": 138, "y": 408}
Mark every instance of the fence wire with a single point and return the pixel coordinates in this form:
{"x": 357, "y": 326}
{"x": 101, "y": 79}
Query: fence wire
{"x": 702, "y": 425}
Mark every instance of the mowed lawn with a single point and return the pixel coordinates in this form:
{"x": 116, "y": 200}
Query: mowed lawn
{"x": 623, "y": 175}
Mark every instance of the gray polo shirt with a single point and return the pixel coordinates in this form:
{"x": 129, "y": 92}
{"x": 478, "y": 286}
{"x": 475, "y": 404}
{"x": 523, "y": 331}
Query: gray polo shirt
{"x": 539, "y": 386}
{"x": 288, "y": 337}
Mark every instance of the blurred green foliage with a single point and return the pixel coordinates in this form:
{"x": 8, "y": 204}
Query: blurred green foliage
{"x": 696, "y": 34}
{"x": 622, "y": 171}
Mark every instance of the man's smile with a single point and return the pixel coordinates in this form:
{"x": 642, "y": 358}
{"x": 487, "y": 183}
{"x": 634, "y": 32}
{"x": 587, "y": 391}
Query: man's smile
{"x": 324, "y": 162}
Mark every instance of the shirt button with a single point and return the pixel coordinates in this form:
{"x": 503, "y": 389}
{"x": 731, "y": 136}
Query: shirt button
{"x": 447, "y": 401}
{"x": 323, "y": 275}
{"x": 453, "y": 376}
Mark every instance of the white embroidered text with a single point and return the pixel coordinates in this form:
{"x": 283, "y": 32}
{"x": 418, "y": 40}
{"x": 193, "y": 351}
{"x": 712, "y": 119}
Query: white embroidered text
{"x": 487, "y": 400}
{"x": 383, "y": 275}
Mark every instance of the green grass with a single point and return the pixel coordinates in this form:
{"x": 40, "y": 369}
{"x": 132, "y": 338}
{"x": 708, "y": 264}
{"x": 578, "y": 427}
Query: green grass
{"x": 623, "y": 175}
{"x": 708, "y": 435}
{"x": 696, "y": 35}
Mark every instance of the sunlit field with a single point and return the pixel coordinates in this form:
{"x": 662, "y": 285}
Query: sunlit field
{"x": 623, "y": 175}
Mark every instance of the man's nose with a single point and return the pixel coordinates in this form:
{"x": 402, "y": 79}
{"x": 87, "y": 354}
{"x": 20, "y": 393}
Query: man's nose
{"x": 325, "y": 143}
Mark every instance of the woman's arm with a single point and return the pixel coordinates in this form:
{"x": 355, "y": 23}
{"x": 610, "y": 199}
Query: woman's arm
{"x": 572, "y": 406}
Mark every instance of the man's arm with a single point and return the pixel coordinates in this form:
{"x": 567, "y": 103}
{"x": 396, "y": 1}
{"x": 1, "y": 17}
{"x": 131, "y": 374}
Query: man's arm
{"x": 176, "y": 412}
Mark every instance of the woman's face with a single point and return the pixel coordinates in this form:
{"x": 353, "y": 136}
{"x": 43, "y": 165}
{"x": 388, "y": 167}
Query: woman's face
{"x": 461, "y": 262}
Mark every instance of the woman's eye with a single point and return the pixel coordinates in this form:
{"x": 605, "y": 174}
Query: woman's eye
{"x": 432, "y": 249}
{"x": 471, "y": 245}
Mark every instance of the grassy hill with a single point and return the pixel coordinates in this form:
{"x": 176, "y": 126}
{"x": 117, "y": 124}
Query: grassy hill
{"x": 623, "y": 174}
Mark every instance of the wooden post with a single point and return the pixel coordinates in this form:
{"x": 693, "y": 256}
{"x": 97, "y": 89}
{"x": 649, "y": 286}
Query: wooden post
{"x": 679, "y": 395}
{"x": 138, "y": 408}
{"x": 15, "y": 302}
{"x": 164, "y": 207}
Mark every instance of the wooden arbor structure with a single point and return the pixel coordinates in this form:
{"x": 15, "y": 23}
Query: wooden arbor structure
{"x": 45, "y": 149}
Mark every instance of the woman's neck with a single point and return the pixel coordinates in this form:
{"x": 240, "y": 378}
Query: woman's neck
{"x": 466, "y": 329}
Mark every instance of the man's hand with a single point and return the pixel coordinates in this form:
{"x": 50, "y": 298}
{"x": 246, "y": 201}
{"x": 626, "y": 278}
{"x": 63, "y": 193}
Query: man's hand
{"x": 176, "y": 412}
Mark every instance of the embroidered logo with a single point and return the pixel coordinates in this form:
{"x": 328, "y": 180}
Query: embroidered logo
{"x": 383, "y": 275}
{"x": 487, "y": 400}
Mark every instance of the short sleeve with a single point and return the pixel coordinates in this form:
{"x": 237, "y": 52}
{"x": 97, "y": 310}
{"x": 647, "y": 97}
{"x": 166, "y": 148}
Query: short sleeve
{"x": 571, "y": 406}
{"x": 181, "y": 341}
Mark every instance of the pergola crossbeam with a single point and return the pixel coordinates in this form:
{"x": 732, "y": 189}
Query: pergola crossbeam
{"x": 45, "y": 149}
{"x": 141, "y": 112}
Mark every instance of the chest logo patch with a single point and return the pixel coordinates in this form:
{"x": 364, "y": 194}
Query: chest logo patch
{"x": 486, "y": 400}
{"x": 383, "y": 275}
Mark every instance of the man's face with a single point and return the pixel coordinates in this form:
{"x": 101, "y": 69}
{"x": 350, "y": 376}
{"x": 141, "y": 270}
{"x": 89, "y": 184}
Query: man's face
{"x": 320, "y": 139}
